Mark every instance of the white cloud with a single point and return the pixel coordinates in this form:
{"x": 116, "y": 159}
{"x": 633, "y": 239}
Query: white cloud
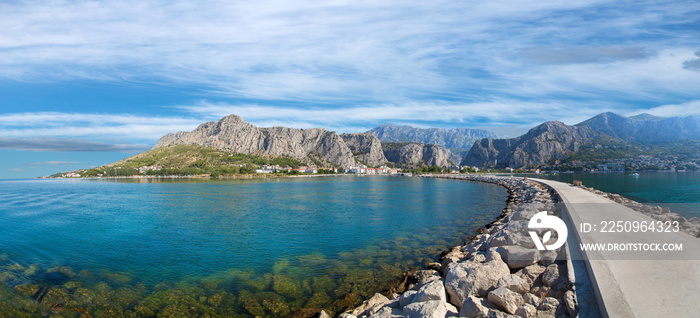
{"x": 356, "y": 63}
{"x": 68, "y": 145}
{"x": 116, "y": 126}
{"x": 362, "y": 118}
{"x": 684, "y": 109}
{"x": 381, "y": 51}
{"x": 53, "y": 163}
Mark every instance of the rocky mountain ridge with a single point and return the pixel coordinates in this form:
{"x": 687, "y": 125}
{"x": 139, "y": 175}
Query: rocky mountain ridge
{"x": 413, "y": 155}
{"x": 315, "y": 146}
{"x": 232, "y": 133}
{"x": 645, "y": 128}
{"x": 457, "y": 139}
{"x": 550, "y": 140}
{"x": 555, "y": 140}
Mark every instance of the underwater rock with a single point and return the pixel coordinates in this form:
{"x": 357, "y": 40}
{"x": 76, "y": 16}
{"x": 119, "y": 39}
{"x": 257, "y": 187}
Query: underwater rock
{"x": 284, "y": 285}
{"x": 27, "y": 290}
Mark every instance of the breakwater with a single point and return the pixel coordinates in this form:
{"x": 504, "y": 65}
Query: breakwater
{"x": 495, "y": 274}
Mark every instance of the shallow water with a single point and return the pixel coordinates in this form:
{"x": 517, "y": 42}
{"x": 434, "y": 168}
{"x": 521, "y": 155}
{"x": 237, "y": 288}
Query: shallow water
{"x": 239, "y": 247}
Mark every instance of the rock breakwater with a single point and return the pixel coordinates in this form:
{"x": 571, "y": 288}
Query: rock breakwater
{"x": 498, "y": 273}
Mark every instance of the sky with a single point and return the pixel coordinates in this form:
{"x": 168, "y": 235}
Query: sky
{"x": 87, "y": 83}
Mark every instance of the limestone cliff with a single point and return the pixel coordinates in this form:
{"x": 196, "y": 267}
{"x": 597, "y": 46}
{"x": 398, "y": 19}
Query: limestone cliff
{"x": 366, "y": 148}
{"x": 233, "y": 134}
{"x": 417, "y": 155}
{"x": 551, "y": 140}
{"x": 457, "y": 139}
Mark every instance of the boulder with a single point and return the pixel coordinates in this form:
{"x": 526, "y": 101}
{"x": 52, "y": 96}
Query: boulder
{"x": 388, "y": 312}
{"x": 531, "y": 299}
{"x": 531, "y": 273}
{"x": 454, "y": 256}
{"x": 514, "y": 283}
{"x": 571, "y": 303}
{"x": 474, "y": 307}
{"x": 469, "y": 278}
{"x": 551, "y": 276}
{"x": 434, "y": 290}
{"x": 371, "y": 305}
{"x": 548, "y": 257}
{"x": 426, "y": 275}
{"x": 519, "y": 257}
{"x": 548, "y": 304}
{"x": 407, "y": 297}
{"x": 493, "y": 255}
{"x": 526, "y": 311}
{"x": 506, "y": 299}
{"x": 476, "y": 244}
{"x": 426, "y": 309}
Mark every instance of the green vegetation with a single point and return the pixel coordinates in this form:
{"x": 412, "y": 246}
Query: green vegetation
{"x": 605, "y": 150}
{"x": 433, "y": 169}
{"x": 468, "y": 170}
{"x": 612, "y": 149}
{"x": 188, "y": 160}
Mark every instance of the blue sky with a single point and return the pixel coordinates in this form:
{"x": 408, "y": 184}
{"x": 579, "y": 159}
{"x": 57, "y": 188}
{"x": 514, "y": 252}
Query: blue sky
{"x": 86, "y": 83}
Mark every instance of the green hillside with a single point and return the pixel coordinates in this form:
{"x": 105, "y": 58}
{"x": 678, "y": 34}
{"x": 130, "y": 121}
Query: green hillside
{"x": 186, "y": 160}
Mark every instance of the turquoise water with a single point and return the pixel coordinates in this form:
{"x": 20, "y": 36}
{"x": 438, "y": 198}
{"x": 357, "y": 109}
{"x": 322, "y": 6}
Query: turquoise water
{"x": 678, "y": 190}
{"x": 306, "y": 242}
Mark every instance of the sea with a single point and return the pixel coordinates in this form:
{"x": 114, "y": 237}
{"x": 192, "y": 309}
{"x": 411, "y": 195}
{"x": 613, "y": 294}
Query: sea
{"x": 230, "y": 248}
{"x": 679, "y": 191}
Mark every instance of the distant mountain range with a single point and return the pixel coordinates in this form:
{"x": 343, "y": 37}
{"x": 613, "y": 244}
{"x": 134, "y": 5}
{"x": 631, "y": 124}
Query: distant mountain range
{"x": 554, "y": 140}
{"x": 456, "y": 139}
{"x": 645, "y": 128}
{"x": 231, "y": 144}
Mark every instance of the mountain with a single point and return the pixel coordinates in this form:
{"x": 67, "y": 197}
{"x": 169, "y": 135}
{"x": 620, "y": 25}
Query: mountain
{"x": 458, "y": 139}
{"x": 413, "y": 155}
{"x": 555, "y": 140}
{"x": 645, "y": 128}
{"x": 233, "y": 134}
{"x": 365, "y": 148}
{"x": 551, "y": 140}
{"x": 313, "y": 146}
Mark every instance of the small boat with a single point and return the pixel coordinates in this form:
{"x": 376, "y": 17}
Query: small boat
{"x": 635, "y": 175}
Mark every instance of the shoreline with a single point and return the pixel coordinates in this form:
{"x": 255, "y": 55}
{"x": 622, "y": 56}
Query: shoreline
{"x": 494, "y": 243}
{"x": 495, "y": 274}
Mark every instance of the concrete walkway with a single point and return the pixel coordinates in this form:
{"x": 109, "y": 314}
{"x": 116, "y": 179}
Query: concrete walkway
{"x": 631, "y": 283}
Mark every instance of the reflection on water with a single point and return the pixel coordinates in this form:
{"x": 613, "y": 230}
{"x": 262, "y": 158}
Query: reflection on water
{"x": 235, "y": 248}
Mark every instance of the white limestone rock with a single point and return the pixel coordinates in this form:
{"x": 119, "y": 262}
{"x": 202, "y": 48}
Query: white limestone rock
{"x": 571, "y": 303}
{"x": 531, "y": 299}
{"x": 514, "y": 283}
{"x": 468, "y": 278}
{"x": 548, "y": 304}
{"x": 426, "y": 309}
{"x": 526, "y": 311}
{"x": 371, "y": 305}
{"x": 388, "y": 312}
{"x": 519, "y": 257}
{"x": 407, "y": 297}
{"x": 506, "y": 299}
{"x": 474, "y": 307}
{"x": 531, "y": 273}
{"x": 550, "y": 277}
{"x": 434, "y": 290}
